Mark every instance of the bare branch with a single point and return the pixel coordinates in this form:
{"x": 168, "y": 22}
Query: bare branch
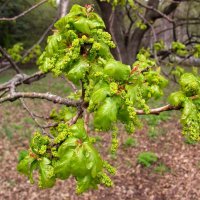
{"x": 16, "y": 79}
{"x": 75, "y": 118}
{"x": 70, "y": 84}
{"x": 131, "y": 20}
{"x": 36, "y": 121}
{"x": 4, "y": 92}
{"x": 157, "y": 111}
{"x": 8, "y": 57}
{"x": 42, "y": 117}
{"x": 51, "y": 125}
{"x": 4, "y": 4}
{"x": 40, "y": 39}
{"x": 35, "y": 77}
{"x": 47, "y": 96}
{"x": 155, "y": 10}
{"x": 23, "y": 79}
{"x": 23, "y": 13}
{"x": 154, "y": 34}
{"x": 5, "y": 68}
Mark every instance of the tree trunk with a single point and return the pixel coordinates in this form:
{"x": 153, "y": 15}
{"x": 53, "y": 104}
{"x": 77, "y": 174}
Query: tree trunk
{"x": 115, "y": 26}
{"x": 63, "y": 7}
{"x": 128, "y": 45}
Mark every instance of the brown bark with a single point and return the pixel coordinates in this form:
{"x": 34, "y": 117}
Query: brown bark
{"x": 115, "y": 26}
{"x": 127, "y": 51}
{"x": 63, "y": 7}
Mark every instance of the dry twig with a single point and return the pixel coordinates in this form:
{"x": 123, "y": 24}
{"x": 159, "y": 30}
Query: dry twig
{"x": 23, "y": 13}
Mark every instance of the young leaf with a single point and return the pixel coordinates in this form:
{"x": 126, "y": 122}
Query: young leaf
{"x": 46, "y": 173}
{"x": 78, "y": 71}
{"x": 62, "y": 167}
{"x": 103, "y": 120}
{"x": 117, "y": 70}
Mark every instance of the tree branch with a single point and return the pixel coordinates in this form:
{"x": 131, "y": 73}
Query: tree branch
{"x": 154, "y": 34}
{"x": 47, "y": 96}
{"x": 23, "y": 79}
{"x": 8, "y": 57}
{"x": 23, "y": 13}
{"x": 168, "y": 107}
{"x": 161, "y": 14}
{"x": 5, "y": 68}
{"x": 73, "y": 87}
{"x": 35, "y": 120}
{"x": 4, "y": 4}
{"x": 157, "y": 111}
{"x": 75, "y": 118}
{"x": 40, "y": 39}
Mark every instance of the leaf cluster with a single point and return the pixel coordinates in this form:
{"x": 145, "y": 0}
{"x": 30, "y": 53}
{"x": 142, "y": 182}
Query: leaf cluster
{"x": 70, "y": 153}
{"x": 190, "y": 87}
{"x": 110, "y": 90}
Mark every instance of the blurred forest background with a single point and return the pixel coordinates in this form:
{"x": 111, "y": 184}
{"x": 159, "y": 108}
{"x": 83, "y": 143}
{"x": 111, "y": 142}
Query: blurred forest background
{"x": 170, "y": 30}
{"x": 182, "y": 24}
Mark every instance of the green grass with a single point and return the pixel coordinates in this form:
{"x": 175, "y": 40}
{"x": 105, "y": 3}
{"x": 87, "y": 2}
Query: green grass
{"x": 155, "y": 120}
{"x": 161, "y": 169}
{"x": 198, "y": 164}
{"x": 130, "y": 142}
{"x": 98, "y": 138}
{"x": 147, "y": 159}
{"x": 189, "y": 141}
{"x": 155, "y": 132}
{"x": 8, "y": 131}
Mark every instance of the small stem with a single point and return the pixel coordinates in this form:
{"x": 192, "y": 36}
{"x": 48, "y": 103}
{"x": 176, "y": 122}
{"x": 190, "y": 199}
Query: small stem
{"x": 8, "y": 57}
{"x": 75, "y": 118}
{"x": 71, "y": 84}
{"x": 32, "y": 116}
{"x": 23, "y": 13}
{"x": 86, "y": 121}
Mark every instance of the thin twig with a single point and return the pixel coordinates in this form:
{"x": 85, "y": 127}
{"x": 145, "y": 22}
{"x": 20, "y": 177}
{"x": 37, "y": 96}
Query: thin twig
{"x": 76, "y": 117}
{"x": 23, "y": 79}
{"x": 4, "y": 4}
{"x": 154, "y": 34}
{"x": 51, "y": 125}
{"x": 3, "y": 93}
{"x": 86, "y": 120}
{"x": 80, "y": 108}
{"x": 41, "y": 117}
{"x": 131, "y": 21}
{"x": 8, "y": 57}
{"x": 177, "y": 25}
{"x": 83, "y": 91}
{"x": 155, "y": 10}
{"x": 23, "y": 13}
{"x": 35, "y": 120}
{"x": 73, "y": 87}
{"x": 5, "y": 68}
{"x": 40, "y": 39}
